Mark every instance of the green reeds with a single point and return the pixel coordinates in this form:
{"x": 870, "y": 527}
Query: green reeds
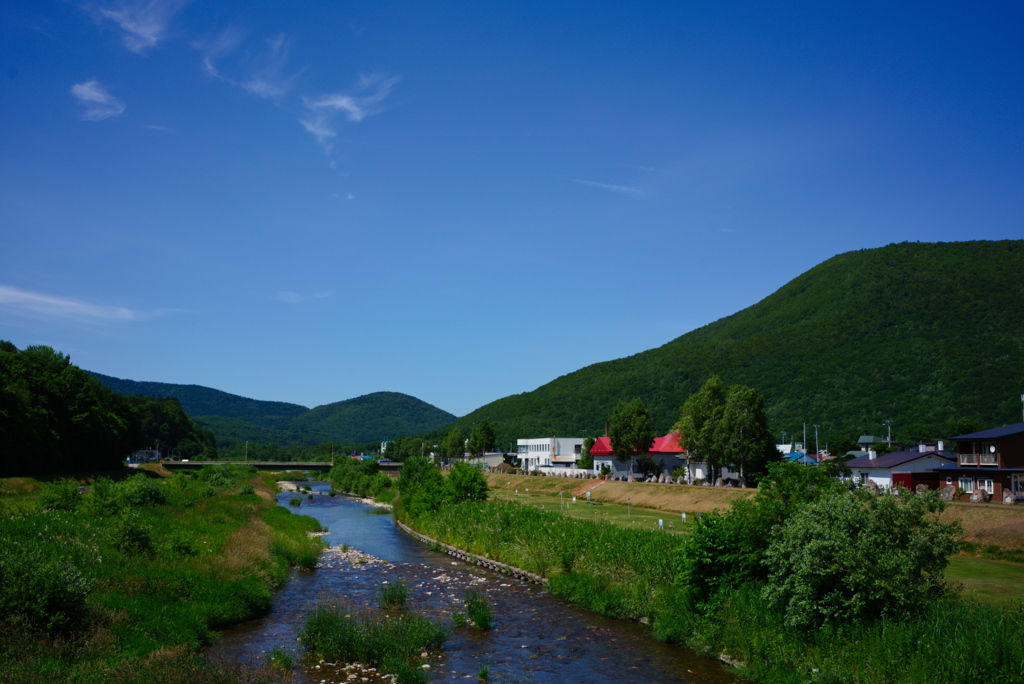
{"x": 387, "y": 641}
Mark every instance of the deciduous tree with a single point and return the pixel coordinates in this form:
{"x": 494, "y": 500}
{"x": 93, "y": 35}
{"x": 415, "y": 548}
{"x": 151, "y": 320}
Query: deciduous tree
{"x": 630, "y": 430}
{"x": 454, "y": 444}
{"x": 700, "y": 422}
{"x": 481, "y": 440}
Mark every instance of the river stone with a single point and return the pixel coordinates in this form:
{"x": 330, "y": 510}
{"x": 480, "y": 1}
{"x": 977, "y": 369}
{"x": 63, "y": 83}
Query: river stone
{"x": 873, "y": 487}
{"x": 948, "y": 492}
{"x": 921, "y": 488}
{"x": 1008, "y": 497}
{"x": 719, "y": 482}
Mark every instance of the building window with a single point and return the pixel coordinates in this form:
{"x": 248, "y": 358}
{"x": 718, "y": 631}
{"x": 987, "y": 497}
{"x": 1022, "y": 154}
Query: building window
{"x": 967, "y": 484}
{"x": 968, "y": 459}
{"x": 863, "y": 478}
{"x": 949, "y": 480}
{"x": 988, "y": 453}
{"x": 985, "y": 485}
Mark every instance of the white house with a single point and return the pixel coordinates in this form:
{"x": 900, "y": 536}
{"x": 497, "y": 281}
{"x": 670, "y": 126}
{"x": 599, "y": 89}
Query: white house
{"x": 549, "y": 452}
{"x": 879, "y": 469}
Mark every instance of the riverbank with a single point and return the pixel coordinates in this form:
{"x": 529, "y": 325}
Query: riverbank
{"x": 128, "y": 581}
{"x": 536, "y": 637}
{"x": 626, "y": 575}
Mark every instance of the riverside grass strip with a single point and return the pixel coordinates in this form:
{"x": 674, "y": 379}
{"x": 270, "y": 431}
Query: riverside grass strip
{"x": 150, "y": 583}
{"x": 631, "y": 574}
{"x": 622, "y": 570}
{"x": 497, "y": 566}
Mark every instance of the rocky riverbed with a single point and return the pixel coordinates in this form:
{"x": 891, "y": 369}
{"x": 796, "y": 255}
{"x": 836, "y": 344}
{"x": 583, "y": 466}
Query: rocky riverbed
{"x": 536, "y": 637}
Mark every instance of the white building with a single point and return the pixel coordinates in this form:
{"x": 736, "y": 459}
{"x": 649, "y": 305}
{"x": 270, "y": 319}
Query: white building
{"x": 880, "y": 469}
{"x": 549, "y": 452}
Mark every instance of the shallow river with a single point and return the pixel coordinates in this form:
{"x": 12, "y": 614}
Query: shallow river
{"x": 536, "y": 637}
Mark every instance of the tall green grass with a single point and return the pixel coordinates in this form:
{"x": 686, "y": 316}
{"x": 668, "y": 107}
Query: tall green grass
{"x": 610, "y": 569}
{"x": 634, "y": 574}
{"x": 135, "y": 576}
{"x": 389, "y": 641}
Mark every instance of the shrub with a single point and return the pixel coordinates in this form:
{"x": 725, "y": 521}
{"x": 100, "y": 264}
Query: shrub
{"x": 181, "y": 544}
{"x": 724, "y": 550}
{"x": 49, "y": 593}
{"x": 131, "y": 535}
{"x": 479, "y": 609}
{"x": 102, "y": 498}
{"x": 466, "y": 483}
{"x": 61, "y": 495}
{"x": 139, "y": 490}
{"x": 247, "y": 488}
{"x": 295, "y": 501}
{"x": 840, "y": 560}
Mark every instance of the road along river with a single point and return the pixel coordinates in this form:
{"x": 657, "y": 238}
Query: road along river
{"x": 536, "y": 637}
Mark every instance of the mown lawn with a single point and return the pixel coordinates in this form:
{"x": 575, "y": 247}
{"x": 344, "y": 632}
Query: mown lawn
{"x": 992, "y": 582}
{"x": 629, "y": 517}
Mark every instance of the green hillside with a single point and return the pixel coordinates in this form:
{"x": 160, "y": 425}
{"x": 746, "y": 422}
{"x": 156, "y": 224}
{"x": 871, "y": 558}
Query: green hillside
{"x": 922, "y": 334}
{"x": 234, "y": 419}
{"x": 197, "y": 400}
{"x": 376, "y": 416}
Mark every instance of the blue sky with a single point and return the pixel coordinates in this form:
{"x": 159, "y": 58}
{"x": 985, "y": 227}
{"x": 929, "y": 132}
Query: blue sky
{"x": 308, "y": 202}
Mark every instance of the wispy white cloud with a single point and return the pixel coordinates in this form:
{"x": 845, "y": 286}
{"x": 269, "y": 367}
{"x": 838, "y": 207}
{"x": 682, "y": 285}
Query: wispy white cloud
{"x": 156, "y": 127}
{"x": 362, "y": 100}
{"x": 263, "y": 74}
{"x": 98, "y": 103}
{"x": 627, "y": 189}
{"x": 289, "y": 297}
{"x": 144, "y": 23}
{"x": 14, "y": 300}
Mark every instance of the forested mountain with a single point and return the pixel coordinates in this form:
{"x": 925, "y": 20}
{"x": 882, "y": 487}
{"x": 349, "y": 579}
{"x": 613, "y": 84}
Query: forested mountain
{"x": 381, "y": 415}
{"x": 56, "y": 419}
{"x": 197, "y": 400}
{"x": 919, "y": 334}
{"x": 235, "y": 419}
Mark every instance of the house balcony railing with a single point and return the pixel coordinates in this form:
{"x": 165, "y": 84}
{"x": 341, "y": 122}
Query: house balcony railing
{"x": 984, "y": 459}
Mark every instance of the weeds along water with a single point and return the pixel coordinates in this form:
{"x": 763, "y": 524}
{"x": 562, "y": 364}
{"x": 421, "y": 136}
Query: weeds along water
{"x": 617, "y": 572}
{"x": 636, "y": 574}
{"x": 129, "y": 580}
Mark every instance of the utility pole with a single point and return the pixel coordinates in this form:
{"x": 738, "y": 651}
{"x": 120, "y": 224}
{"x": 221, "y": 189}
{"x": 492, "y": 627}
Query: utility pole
{"x": 888, "y": 440}
{"x": 805, "y": 438}
{"x": 816, "y": 451}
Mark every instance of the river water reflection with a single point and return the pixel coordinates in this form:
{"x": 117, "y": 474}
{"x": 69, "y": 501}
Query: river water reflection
{"x": 536, "y": 637}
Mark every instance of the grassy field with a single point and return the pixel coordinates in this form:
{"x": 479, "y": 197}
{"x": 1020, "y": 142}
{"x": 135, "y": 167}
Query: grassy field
{"x": 630, "y": 516}
{"x": 996, "y": 524}
{"x": 661, "y": 497}
{"x": 992, "y": 582}
{"x": 989, "y": 581}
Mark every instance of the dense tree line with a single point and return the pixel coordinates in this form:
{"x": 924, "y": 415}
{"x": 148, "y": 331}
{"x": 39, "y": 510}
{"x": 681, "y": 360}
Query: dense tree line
{"x": 56, "y": 418}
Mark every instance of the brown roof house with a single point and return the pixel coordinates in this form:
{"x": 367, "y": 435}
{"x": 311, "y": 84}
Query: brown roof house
{"x": 989, "y": 465}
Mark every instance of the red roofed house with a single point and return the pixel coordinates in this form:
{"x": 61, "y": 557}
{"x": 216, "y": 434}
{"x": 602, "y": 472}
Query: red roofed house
{"x": 664, "y": 450}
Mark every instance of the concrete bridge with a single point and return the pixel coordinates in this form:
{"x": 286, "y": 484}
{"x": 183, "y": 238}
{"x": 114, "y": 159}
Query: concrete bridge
{"x": 323, "y": 466}
{"x": 260, "y": 465}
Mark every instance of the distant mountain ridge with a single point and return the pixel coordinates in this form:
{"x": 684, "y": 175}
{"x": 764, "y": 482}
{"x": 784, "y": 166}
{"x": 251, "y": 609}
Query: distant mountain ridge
{"x": 234, "y": 419}
{"x": 920, "y": 334}
{"x": 197, "y": 400}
